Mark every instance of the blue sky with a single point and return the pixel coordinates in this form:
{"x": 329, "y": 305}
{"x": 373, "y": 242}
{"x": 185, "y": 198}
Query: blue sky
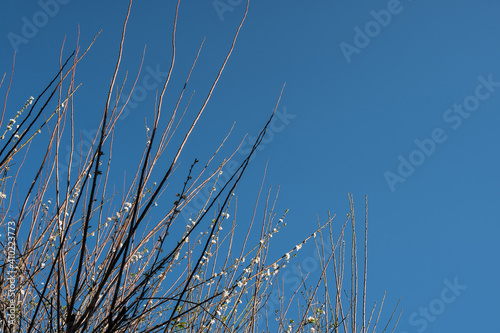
{"x": 398, "y": 100}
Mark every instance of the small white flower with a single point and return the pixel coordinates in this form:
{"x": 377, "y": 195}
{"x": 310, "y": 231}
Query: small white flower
{"x": 287, "y": 256}
{"x": 196, "y": 277}
{"x": 2, "y": 195}
{"x": 298, "y": 247}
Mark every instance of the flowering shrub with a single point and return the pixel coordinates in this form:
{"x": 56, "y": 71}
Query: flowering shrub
{"x": 75, "y": 260}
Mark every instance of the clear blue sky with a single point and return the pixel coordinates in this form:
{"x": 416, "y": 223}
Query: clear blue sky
{"x": 396, "y": 100}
